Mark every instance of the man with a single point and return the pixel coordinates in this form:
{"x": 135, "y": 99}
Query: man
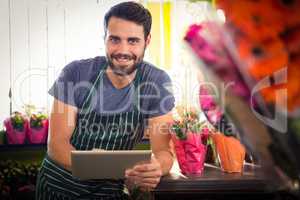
{"x": 109, "y": 103}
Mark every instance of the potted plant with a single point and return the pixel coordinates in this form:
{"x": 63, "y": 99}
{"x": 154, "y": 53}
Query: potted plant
{"x": 189, "y": 138}
{"x": 16, "y": 127}
{"x": 230, "y": 151}
{"x": 38, "y": 128}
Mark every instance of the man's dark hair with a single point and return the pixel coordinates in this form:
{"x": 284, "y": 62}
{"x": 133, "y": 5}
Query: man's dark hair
{"x": 130, "y": 11}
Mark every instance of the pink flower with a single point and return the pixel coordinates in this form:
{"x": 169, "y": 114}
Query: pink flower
{"x": 214, "y": 116}
{"x": 206, "y": 100}
{"x": 204, "y": 135}
{"x": 208, "y": 44}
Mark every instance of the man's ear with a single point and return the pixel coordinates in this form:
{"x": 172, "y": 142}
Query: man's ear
{"x": 104, "y": 36}
{"x": 148, "y": 39}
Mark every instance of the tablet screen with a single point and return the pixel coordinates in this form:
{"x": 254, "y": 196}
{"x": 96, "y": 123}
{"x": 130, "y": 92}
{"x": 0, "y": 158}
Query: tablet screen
{"x": 101, "y": 164}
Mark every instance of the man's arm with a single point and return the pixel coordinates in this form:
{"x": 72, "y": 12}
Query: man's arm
{"x": 62, "y": 124}
{"x": 148, "y": 175}
{"x": 158, "y": 130}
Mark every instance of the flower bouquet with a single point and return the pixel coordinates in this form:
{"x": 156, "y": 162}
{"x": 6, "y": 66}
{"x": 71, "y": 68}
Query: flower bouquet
{"x": 257, "y": 51}
{"x": 16, "y": 128}
{"x": 38, "y": 128}
{"x": 190, "y": 139}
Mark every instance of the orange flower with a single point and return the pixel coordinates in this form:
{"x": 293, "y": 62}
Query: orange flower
{"x": 262, "y": 58}
{"x": 291, "y": 39}
{"x": 269, "y": 94}
{"x": 268, "y": 39}
{"x": 292, "y": 85}
{"x": 257, "y": 18}
{"x": 288, "y": 10}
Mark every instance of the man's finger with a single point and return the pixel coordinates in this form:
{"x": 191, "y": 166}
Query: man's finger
{"x": 130, "y": 172}
{"x": 150, "y": 174}
{"x": 150, "y": 180}
{"x": 146, "y": 167}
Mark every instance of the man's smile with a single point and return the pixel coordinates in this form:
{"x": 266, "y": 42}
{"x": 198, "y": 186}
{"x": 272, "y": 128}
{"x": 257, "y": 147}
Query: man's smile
{"x": 123, "y": 59}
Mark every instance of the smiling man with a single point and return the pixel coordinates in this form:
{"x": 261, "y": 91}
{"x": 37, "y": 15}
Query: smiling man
{"x": 109, "y": 103}
{"x": 125, "y": 36}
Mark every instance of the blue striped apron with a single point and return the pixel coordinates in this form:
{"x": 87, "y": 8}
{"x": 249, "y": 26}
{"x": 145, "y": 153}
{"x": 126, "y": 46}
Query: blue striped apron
{"x": 119, "y": 131}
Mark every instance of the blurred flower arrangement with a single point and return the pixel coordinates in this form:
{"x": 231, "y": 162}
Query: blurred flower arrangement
{"x": 266, "y": 34}
{"x": 258, "y": 50}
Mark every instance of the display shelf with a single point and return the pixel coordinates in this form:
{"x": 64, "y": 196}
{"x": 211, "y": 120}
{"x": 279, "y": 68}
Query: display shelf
{"x": 36, "y": 152}
{"x": 21, "y": 147}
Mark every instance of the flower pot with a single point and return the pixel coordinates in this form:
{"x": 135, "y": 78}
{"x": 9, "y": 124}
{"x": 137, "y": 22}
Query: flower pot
{"x": 15, "y": 136}
{"x": 231, "y": 152}
{"x": 38, "y": 135}
{"x": 190, "y": 153}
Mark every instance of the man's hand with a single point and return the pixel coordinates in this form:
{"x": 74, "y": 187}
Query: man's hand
{"x": 146, "y": 176}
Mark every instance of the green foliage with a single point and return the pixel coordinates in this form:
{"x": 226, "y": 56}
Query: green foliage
{"x": 178, "y": 128}
{"x": 36, "y": 120}
{"x": 295, "y": 127}
{"x": 15, "y": 175}
{"x": 2, "y": 137}
{"x": 189, "y": 122}
{"x": 214, "y": 156}
{"x": 18, "y": 173}
{"x": 18, "y": 120}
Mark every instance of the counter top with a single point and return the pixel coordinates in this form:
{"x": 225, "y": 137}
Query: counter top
{"x": 213, "y": 181}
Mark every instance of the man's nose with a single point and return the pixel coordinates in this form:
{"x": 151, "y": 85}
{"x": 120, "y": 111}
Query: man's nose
{"x": 123, "y": 47}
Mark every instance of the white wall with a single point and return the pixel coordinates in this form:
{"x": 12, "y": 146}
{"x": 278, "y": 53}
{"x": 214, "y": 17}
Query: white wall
{"x": 38, "y": 37}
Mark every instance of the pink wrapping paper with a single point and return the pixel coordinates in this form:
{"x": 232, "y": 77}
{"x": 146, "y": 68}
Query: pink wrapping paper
{"x": 190, "y": 153}
{"x": 38, "y": 135}
{"x": 14, "y": 136}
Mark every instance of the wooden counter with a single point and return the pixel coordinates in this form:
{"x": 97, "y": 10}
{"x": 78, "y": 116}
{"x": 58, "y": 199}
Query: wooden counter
{"x": 214, "y": 184}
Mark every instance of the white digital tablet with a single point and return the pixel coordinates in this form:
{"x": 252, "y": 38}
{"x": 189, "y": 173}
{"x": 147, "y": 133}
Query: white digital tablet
{"x": 101, "y": 164}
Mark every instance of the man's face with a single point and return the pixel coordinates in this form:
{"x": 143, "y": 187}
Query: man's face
{"x": 125, "y": 45}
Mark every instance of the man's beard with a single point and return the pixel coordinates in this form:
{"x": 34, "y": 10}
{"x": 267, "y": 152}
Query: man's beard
{"x": 124, "y": 70}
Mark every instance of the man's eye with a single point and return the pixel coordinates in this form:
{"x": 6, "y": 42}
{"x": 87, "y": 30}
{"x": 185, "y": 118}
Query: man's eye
{"x": 114, "y": 40}
{"x": 133, "y": 41}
